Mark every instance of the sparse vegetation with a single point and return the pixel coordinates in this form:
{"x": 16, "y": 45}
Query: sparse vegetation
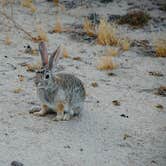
{"x": 7, "y": 40}
{"x": 106, "y": 63}
{"x": 160, "y": 47}
{"x": 89, "y": 28}
{"x": 33, "y": 67}
{"x": 17, "y": 90}
{"x": 135, "y": 18}
{"x": 41, "y": 34}
{"x": 29, "y": 4}
{"x": 65, "y": 53}
{"x": 111, "y": 51}
{"x": 106, "y": 33}
{"x": 125, "y": 44}
{"x": 58, "y": 26}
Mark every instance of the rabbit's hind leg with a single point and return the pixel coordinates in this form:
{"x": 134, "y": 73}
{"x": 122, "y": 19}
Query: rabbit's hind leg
{"x": 43, "y": 111}
{"x": 59, "y": 108}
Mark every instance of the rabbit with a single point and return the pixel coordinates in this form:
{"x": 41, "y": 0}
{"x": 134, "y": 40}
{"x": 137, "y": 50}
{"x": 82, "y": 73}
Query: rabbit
{"x": 62, "y": 93}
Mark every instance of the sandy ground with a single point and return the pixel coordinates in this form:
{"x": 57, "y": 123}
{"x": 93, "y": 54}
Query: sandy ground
{"x": 97, "y": 137}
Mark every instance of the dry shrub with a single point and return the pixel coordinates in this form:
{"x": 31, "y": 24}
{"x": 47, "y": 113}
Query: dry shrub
{"x": 106, "y": 63}
{"x": 89, "y": 28}
{"x": 29, "y": 4}
{"x": 106, "y": 34}
{"x": 135, "y": 18}
{"x": 42, "y": 36}
{"x": 58, "y": 26}
{"x": 160, "y": 47}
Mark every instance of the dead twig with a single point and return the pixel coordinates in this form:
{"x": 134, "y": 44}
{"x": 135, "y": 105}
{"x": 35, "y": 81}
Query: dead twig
{"x": 17, "y": 25}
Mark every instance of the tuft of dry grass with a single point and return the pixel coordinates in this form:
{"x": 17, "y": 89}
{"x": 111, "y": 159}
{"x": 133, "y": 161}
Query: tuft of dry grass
{"x": 42, "y": 36}
{"x": 136, "y": 18}
{"x": 58, "y": 26}
{"x": 160, "y": 47}
{"x": 89, "y": 28}
{"x": 33, "y": 67}
{"x": 106, "y": 63}
{"x": 111, "y": 52}
{"x": 7, "y": 40}
{"x": 65, "y": 53}
{"x": 106, "y": 33}
{"x": 125, "y": 44}
{"x": 56, "y": 2}
{"x": 29, "y": 4}
{"x": 17, "y": 90}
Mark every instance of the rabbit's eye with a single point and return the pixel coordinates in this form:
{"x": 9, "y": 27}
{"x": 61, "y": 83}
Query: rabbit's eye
{"x": 47, "y": 76}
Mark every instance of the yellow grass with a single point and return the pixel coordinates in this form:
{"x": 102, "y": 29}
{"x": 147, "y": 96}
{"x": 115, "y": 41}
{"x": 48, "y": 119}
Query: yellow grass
{"x": 42, "y": 36}
{"x": 17, "y": 90}
{"x": 65, "y": 53}
{"x": 88, "y": 27}
{"x": 58, "y": 26}
{"x": 160, "y": 47}
{"x": 33, "y": 67}
{"x": 111, "y": 51}
{"x": 106, "y": 63}
{"x": 7, "y": 40}
{"x": 106, "y": 34}
{"x": 56, "y": 2}
{"x": 125, "y": 44}
{"x": 28, "y": 4}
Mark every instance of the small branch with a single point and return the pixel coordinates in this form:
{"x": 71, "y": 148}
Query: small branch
{"x": 17, "y": 25}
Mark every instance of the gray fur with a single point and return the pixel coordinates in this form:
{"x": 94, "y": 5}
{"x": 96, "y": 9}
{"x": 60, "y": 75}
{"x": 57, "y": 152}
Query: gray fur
{"x": 62, "y": 87}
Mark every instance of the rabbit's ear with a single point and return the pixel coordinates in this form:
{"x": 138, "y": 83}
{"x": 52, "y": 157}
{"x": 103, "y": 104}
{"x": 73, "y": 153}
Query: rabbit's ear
{"x": 55, "y": 55}
{"x": 43, "y": 53}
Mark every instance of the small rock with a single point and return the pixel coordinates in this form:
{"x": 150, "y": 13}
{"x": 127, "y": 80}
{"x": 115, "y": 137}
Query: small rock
{"x": 116, "y": 102}
{"x": 81, "y": 149}
{"x": 124, "y": 116}
{"x": 16, "y": 163}
{"x": 67, "y": 146}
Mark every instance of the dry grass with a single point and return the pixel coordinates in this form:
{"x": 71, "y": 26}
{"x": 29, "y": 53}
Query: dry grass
{"x": 41, "y": 34}
{"x": 160, "y": 47}
{"x": 29, "y": 4}
{"x": 111, "y": 52}
{"x": 17, "y": 90}
{"x": 106, "y": 34}
{"x": 89, "y": 28}
{"x": 33, "y": 67}
{"x": 65, "y": 53}
{"x": 106, "y": 63}
{"x": 58, "y": 26}
{"x": 7, "y": 40}
{"x": 56, "y": 2}
{"x": 125, "y": 44}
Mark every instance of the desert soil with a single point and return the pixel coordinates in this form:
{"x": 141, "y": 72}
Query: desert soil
{"x": 131, "y": 134}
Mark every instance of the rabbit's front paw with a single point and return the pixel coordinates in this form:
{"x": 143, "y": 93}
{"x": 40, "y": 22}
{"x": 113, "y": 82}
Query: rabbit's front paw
{"x": 66, "y": 116}
{"x": 58, "y": 118}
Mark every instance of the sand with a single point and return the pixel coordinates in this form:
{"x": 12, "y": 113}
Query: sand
{"x": 132, "y": 134}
